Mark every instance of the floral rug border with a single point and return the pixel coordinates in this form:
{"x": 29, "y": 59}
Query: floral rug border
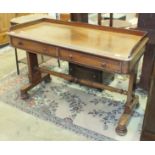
{"x": 58, "y": 121}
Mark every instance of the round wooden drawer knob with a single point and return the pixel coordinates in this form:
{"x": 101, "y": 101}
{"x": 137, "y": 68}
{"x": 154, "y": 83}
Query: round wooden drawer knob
{"x": 44, "y": 49}
{"x": 70, "y": 56}
{"x": 103, "y": 65}
{"x": 20, "y": 43}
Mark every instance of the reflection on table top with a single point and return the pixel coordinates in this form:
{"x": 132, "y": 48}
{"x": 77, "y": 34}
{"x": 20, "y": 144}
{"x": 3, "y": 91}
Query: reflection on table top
{"x": 94, "y": 41}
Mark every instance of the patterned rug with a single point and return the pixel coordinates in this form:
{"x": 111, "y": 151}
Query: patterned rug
{"x": 81, "y": 109}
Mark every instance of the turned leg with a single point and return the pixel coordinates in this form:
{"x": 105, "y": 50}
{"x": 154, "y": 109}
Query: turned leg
{"x": 131, "y": 103}
{"x": 35, "y": 76}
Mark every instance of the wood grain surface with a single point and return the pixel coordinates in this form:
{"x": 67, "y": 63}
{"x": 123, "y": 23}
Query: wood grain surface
{"x": 93, "y": 41}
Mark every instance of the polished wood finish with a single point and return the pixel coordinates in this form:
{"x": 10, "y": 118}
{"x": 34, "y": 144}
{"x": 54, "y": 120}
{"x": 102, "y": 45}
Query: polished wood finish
{"x": 131, "y": 103}
{"x": 5, "y": 25}
{"x": 35, "y": 76}
{"x": 32, "y": 60}
{"x": 73, "y": 42}
{"x": 90, "y": 41}
{"x": 90, "y": 61}
{"x": 24, "y": 18}
{"x": 33, "y": 46}
{"x": 28, "y": 18}
{"x": 148, "y": 129}
{"x": 84, "y": 72}
{"x": 82, "y": 81}
{"x": 3, "y": 38}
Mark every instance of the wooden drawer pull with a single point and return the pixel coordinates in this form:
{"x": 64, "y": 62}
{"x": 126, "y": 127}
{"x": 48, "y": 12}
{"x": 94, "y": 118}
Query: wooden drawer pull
{"x": 20, "y": 43}
{"x": 103, "y": 65}
{"x": 44, "y": 49}
{"x": 70, "y": 56}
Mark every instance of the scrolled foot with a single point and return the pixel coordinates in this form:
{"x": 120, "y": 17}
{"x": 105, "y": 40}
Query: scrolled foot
{"x": 121, "y": 130}
{"x": 48, "y": 79}
{"x": 24, "y": 96}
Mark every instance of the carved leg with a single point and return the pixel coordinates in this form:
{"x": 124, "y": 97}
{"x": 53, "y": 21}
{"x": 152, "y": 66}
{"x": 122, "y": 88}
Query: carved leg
{"x": 131, "y": 103}
{"x": 35, "y": 76}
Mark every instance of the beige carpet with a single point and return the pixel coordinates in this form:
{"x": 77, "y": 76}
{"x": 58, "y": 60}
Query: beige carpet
{"x": 17, "y": 125}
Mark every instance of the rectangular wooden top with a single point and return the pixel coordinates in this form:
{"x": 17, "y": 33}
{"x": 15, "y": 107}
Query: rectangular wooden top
{"x": 97, "y": 40}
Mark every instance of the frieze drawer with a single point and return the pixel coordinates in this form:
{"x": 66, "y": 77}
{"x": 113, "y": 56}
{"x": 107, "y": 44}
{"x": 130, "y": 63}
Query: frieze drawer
{"x": 90, "y": 60}
{"x": 34, "y": 46}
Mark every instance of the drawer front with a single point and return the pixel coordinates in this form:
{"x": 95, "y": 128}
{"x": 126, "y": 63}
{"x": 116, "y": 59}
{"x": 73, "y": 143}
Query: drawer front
{"x": 34, "y": 47}
{"x": 90, "y": 61}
